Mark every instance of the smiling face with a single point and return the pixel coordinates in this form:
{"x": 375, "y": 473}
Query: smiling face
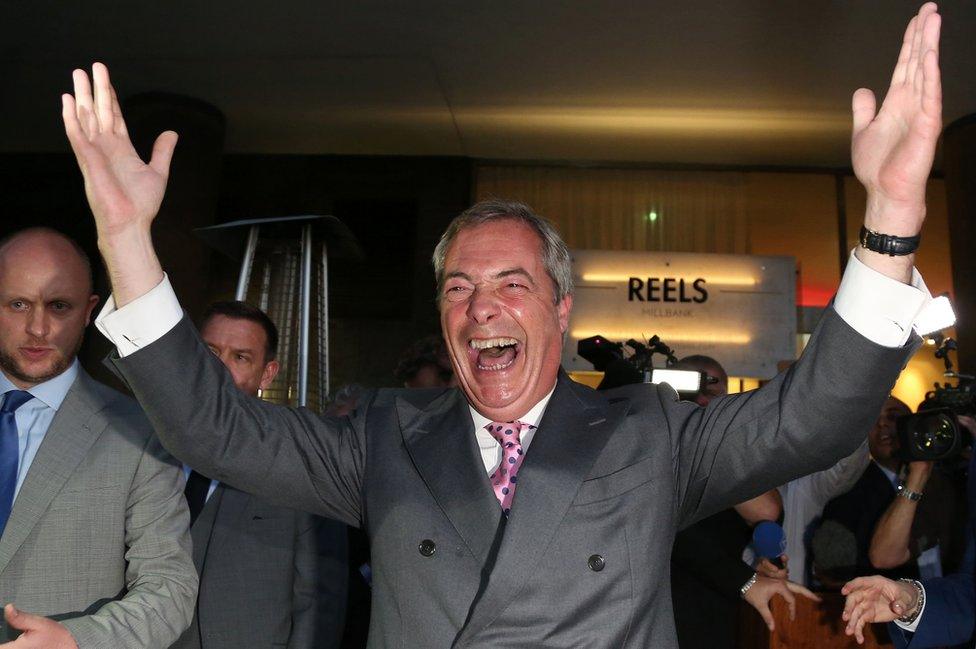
{"x": 45, "y": 304}
{"x": 502, "y": 326}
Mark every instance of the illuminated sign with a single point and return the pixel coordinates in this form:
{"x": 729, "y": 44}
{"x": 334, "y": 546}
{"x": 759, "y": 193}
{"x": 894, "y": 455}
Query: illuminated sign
{"x": 740, "y": 309}
{"x": 666, "y": 289}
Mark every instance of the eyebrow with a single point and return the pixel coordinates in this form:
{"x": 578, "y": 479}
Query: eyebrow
{"x": 518, "y": 270}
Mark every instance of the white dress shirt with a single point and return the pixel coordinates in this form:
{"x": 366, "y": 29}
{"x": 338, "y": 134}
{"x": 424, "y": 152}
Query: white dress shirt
{"x": 491, "y": 449}
{"x": 804, "y": 500}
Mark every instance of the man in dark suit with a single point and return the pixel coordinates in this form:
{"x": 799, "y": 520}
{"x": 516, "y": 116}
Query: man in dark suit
{"x": 935, "y": 612}
{"x": 872, "y": 511}
{"x": 94, "y": 546}
{"x": 522, "y": 510}
{"x": 269, "y": 575}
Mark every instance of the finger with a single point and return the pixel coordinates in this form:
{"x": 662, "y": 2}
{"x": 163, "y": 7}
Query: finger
{"x": 852, "y": 601}
{"x": 897, "y": 608}
{"x": 898, "y": 76}
{"x": 103, "y": 98}
{"x": 853, "y": 584}
{"x": 863, "y": 109}
{"x": 851, "y": 612}
{"x": 911, "y": 66}
{"x": 83, "y": 103}
{"x": 914, "y": 65}
{"x": 860, "y": 617}
{"x": 790, "y": 601}
{"x": 162, "y": 153}
{"x": 802, "y": 590}
{"x": 72, "y": 127}
{"x": 20, "y": 620}
{"x": 930, "y": 43}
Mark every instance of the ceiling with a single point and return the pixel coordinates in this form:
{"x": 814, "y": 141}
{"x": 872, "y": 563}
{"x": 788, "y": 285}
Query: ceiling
{"x": 750, "y": 82}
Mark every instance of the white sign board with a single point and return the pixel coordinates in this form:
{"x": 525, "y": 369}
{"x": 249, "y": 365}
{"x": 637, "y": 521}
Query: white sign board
{"x": 739, "y": 309}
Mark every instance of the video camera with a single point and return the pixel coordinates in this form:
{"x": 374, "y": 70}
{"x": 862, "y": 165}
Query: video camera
{"x": 934, "y": 433}
{"x": 632, "y": 362}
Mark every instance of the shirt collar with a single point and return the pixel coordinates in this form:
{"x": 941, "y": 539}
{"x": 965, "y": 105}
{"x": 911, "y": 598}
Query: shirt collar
{"x": 891, "y": 475}
{"x": 53, "y": 391}
{"x": 532, "y": 417}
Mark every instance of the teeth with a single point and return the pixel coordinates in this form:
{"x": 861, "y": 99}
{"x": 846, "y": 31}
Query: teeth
{"x": 491, "y": 342}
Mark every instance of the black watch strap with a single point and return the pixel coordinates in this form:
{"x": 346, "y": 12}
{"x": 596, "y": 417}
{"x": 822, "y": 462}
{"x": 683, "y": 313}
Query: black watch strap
{"x": 888, "y": 244}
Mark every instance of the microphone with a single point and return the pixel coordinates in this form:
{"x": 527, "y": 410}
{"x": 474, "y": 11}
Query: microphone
{"x": 769, "y": 541}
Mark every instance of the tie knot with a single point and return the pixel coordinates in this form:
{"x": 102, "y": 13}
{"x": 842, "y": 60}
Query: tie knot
{"x": 15, "y": 399}
{"x": 507, "y": 431}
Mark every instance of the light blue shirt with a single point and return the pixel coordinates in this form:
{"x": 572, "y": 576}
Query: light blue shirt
{"x": 35, "y": 417}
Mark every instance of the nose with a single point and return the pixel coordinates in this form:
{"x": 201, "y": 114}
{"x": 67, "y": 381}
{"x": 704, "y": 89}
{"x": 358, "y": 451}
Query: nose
{"x": 38, "y": 324}
{"x": 483, "y": 306}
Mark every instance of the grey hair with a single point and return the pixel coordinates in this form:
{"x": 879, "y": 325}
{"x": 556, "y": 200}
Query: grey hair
{"x": 555, "y": 255}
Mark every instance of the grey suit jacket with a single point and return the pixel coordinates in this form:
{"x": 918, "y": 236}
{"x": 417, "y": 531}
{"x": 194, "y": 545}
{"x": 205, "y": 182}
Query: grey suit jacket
{"x": 270, "y": 576}
{"x": 98, "y": 536}
{"x": 609, "y": 478}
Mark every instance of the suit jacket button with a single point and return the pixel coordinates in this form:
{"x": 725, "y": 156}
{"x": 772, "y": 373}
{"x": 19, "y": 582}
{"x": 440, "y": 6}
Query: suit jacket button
{"x": 596, "y": 563}
{"x": 427, "y": 548}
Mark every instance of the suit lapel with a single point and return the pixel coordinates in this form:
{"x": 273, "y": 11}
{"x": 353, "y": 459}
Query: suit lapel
{"x": 440, "y": 440}
{"x": 572, "y": 433}
{"x": 229, "y": 510}
{"x": 203, "y": 527}
{"x": 71, "y": 434}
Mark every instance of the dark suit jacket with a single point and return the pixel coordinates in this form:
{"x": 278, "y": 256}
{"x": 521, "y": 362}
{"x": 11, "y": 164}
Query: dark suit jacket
{"x": 950, "y": 602}
{"x": 98, "y": 534}
{"x": 707, "y": 572}
{"x": 269, "y": 576}
{"x": 860, "y": 509}
{"x": 583, "y": 559}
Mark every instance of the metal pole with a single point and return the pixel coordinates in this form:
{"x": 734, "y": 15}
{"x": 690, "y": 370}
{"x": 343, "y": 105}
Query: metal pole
{"x": 248, "y": 261}
{"x": 303, "y": 314}
{"x": 324, "y": 327}
{"x": 265, "y": 287}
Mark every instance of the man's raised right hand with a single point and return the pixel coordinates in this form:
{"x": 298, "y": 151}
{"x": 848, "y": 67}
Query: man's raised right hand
{"x": 124, "y": 192}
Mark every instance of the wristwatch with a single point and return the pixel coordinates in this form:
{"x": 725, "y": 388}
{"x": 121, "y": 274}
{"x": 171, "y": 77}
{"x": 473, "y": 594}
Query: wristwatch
{"x": 919, "y": 601}
{"x": 904, "y": 492}
{"x": 888, "y": 244}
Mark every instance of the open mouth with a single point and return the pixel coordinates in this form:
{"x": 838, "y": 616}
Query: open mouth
{"x": 494, "y": 354}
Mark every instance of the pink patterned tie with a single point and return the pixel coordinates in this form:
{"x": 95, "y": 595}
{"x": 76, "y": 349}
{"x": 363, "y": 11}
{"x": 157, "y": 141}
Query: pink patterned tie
{"x": 505, "y": 477}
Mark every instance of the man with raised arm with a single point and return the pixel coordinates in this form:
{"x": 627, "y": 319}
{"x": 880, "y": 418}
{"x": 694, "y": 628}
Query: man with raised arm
{"x": 523, "y": 510}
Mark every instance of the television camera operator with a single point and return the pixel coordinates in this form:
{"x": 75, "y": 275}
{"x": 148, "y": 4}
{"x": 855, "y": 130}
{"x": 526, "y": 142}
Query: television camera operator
{"x": 937, "y": 611}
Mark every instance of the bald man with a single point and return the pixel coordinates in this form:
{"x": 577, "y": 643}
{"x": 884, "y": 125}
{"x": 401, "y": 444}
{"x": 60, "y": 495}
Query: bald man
{"x": 94, "y": 541}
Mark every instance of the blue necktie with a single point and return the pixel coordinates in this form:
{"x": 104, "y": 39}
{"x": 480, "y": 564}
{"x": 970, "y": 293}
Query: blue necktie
{"x": 9, "y": 451}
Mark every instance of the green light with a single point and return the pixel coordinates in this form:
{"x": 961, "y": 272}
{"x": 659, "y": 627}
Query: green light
{"x": 652, "y": 216}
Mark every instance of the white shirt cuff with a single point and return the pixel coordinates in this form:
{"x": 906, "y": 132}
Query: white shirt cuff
{"x": 880, "y": 308}
{"x": 918, "y": 618}
{"x": 142, "y": 321}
